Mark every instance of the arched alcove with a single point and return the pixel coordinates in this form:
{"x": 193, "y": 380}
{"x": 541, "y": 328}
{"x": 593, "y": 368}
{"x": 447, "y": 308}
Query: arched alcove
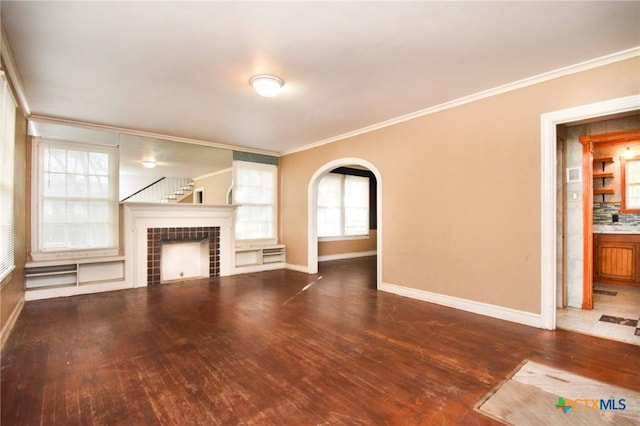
{"x": 312, "y": 236}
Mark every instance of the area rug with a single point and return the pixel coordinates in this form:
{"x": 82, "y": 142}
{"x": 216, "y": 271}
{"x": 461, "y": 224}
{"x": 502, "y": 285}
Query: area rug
{"x": 539, "y": 395}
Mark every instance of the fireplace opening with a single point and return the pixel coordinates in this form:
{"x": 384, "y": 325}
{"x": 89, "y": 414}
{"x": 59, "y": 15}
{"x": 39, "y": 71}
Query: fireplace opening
{"x": 184, "y": 259}
{"x": 182, "y": 253}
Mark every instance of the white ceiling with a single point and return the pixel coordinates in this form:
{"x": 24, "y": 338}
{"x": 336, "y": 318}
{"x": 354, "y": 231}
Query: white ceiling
{"x": 182, "y": 68}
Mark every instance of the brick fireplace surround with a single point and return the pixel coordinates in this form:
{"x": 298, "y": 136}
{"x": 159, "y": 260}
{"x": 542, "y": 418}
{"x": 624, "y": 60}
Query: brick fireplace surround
{"x": 157, "y": 236}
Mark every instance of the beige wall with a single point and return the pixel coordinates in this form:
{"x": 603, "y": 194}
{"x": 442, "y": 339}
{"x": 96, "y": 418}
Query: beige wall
{"x": 215, "y": 187}
{"x": 328, "y": 248}
{"x": 460, "y": 189}
{"x": 12, "y": 287}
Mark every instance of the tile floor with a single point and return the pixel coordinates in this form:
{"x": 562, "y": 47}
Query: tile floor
{"x": 615, "y": 314}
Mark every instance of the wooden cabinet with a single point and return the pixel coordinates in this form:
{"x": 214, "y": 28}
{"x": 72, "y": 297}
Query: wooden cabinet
{"x": 616, "y": 258}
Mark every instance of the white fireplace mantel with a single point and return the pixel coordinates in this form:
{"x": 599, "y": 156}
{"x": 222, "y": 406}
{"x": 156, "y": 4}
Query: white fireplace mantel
{"x": 138, "y": 217}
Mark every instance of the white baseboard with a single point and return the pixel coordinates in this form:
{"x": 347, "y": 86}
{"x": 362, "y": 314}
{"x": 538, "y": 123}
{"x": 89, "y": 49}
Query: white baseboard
{"x": 341, "y": 256}
{"x": 250, "y": 269}
{"x": 11, "y": 321}
{"x": 298, "y": 268}
{"x": 494, "y": 311}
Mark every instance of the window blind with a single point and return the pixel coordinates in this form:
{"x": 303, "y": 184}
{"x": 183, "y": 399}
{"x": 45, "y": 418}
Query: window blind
{"x": 7, "y": 146}
{"x": 77, "y": 203}
{"x": 254, "y": 188}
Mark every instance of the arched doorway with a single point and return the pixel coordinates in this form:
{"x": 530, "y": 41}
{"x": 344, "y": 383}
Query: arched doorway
{"x": 312, "y": 235}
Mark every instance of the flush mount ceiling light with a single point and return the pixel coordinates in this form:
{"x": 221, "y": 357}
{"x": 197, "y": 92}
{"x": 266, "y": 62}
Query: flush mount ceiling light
{"x": 266, "y": 85}
{"x": 149, "y": 164}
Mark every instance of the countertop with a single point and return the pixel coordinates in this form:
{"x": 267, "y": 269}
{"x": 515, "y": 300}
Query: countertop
{"x": 616, "y": 229}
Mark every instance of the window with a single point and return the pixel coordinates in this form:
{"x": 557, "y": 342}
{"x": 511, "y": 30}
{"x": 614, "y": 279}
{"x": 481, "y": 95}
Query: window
{"x": 7, "y": 145}
{"x": 631, "y": 184}
{"x": 343, "y": 206}
{"x": 254, "y": 188}
{"x": 77, "y": 204}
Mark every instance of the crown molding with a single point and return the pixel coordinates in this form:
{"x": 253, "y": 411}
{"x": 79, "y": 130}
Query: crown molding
{"x": 132, "y": 132}
{"x": 530, "y": 81}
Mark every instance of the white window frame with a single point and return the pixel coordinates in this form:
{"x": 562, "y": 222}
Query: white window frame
{"x": 273, "y": 169}
{"x": 7, "y": 155}
{"x": 627, "y": 164}
{"x": 39, "y": 254}
{"x": 343, "y": 236}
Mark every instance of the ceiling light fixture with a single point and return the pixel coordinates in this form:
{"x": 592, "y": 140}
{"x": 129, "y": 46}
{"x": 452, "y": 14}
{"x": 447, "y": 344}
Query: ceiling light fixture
{"x": 149, "y": 164}
{"x": 266, "y": 85}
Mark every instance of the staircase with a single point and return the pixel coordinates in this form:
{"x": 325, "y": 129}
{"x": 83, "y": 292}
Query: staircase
{"x": 164, "y": 190}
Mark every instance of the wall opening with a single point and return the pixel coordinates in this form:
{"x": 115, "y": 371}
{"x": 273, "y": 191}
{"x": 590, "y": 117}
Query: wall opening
{"x": 313, "y": 207}
{"x": 548, "y": 194}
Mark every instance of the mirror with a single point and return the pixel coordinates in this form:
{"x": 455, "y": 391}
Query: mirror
{"x": 179, "y": 167}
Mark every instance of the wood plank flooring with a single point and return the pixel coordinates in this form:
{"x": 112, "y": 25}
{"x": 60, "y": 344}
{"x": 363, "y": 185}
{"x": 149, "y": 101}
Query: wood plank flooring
{"x": 257, "y": 349}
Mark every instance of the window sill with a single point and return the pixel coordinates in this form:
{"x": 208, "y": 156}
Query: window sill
{"x": 6, "y": 273}
{"x": 343, "y": 238}
{"x": 248, "y": 244}
{"x": 73, "y": 256}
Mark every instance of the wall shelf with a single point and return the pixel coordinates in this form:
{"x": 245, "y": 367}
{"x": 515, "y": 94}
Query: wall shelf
{"x": 604, "y": 191}
{"x": 603, "y": 160}
{"x": 604, "y": 175}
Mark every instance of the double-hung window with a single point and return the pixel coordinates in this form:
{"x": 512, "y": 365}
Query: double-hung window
{"x": 7, "y": 144}
{"x": 254, "y": 189}
{"x": 343, "y": 206}
{"x": 631, "y": 185}
{"x": 77, "y": 199}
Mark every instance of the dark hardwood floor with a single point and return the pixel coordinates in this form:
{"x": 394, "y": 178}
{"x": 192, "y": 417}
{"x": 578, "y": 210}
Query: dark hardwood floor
{"x": 257, "y": 350}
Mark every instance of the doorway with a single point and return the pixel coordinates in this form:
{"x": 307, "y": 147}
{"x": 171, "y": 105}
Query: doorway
{"x": 596, "y": 290}
{"x": 549, "y": 239}
{"x": 312, "y": 237}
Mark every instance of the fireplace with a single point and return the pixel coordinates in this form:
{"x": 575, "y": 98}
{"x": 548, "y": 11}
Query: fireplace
{"x": 157, "y": 237}
{"x": 147, "y": 226}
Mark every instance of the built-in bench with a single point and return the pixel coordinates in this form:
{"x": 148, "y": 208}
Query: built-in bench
{"x": 73, "y": 272}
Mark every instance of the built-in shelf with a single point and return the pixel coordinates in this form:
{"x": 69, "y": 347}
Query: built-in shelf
{"x": 604, "y": 160}
{"x": 259, "y": 258}
{"x": 73, "y": 272}
{"x": 604, "y": 191}
{"x": 602, "y": 175}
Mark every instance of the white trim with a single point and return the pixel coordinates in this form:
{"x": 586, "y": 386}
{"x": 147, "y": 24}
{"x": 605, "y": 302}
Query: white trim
{"x": 530, "y": 81}
{"x": 352, "y": 255}
{"x": 37, "y": 253}
{"x": 6, "y": 273}
{"x": 270, "y": 168}
{"x": 312, "y": 214}
{"x": 199, "y": 190}
{"x": 494, "y": 311}
{"x": 297, "y": 268}
{"x": 12, "y": 70}
{"x": 11, "y": 322}
{"x": 219, "y": 172}
{"x": 55, "y": 120}
{"x": 343, "y": 238}
{"x": 250, "y": 269}
{"x": 548, "y": 123}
